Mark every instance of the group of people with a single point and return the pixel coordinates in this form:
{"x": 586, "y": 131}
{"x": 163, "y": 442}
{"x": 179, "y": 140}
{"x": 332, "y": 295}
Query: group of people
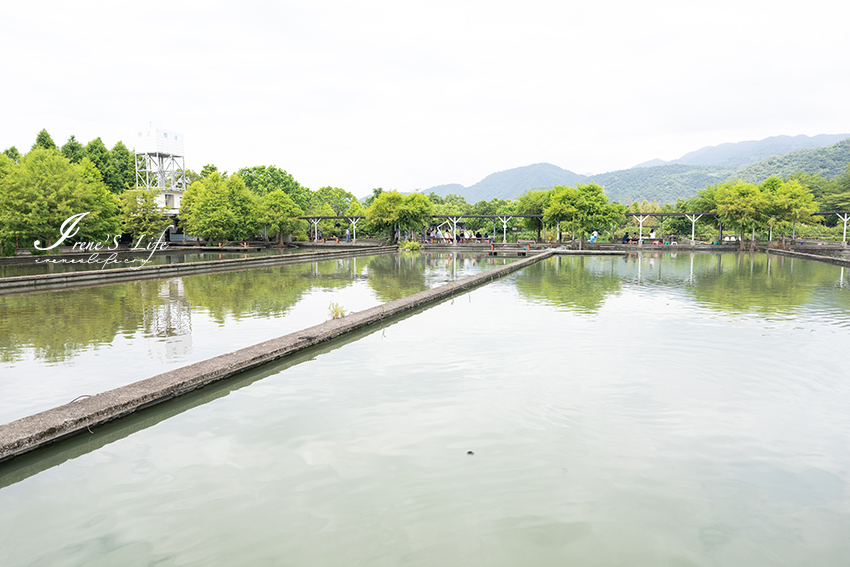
{"x": 320, "y": 236}
{"x": 635, "y": 238}
{"x": 436, "y": 234}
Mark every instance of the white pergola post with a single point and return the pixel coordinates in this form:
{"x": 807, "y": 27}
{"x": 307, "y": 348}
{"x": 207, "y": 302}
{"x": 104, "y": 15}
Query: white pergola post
{"x": 693, "y": 220}
{"x": 454, "y": 220}
{"x": 505, "y": 221}
{"x": 353, "y": 222}
{"x": 844, "y": 217}
{"x": 641, "y": 220}
{"x": 315, "y": 229}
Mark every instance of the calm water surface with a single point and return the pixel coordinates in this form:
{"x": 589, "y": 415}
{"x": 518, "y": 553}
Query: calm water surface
{"x": 60, "y": 345}
{"x": 639, "y": 411}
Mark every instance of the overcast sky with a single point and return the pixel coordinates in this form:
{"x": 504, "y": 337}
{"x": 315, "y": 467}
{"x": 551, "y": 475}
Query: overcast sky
{"x": 407, "y": 95}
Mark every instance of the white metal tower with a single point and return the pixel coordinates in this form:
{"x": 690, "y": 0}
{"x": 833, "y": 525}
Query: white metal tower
{"x": 160, "y": 164}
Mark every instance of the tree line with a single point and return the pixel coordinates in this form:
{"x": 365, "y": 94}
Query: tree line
{"x": 48, "y": 184}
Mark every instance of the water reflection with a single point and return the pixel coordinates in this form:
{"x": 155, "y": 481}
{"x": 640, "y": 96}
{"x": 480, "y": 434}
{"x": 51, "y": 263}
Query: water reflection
{"x": 57, "y": 346}
{"x": 396, "y": 276}
{"x": 71, "y": 321}
{"x": 579, "y": 284}
{"x": 731, "y": 283}
{"x": 265, "y": 292}
{"x": 657, "y": 429}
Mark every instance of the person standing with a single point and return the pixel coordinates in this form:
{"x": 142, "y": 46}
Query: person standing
{"x": 347, "y": 235}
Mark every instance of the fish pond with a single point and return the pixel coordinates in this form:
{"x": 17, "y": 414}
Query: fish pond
{"x": 656, "y": 409}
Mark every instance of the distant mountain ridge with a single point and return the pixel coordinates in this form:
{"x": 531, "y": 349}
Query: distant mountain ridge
{"x": 665, "y": 182}
{"x": 739, "y": 154}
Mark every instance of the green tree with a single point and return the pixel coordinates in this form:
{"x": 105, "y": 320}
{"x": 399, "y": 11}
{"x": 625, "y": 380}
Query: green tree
{"x": 740, "y": 205}
{"x": 74, "y": 150}
{"x": 99, "y": 156}
{"x": 13, "y": 154}
{"x": 435, "y": 199}
{"x": 262, "y": 179}
{"x": 482, "y": 207}
{"x": 218, "y": 208}
{"x": 563, "y": 208}
{"x": 141, "y": 214}
{"x": 45, "y": 189}
{"x": 123, "y": 168}
{"x": 839, "y": 199}
{"x": 189, "y": 177}
{"x": 452, "y": 205}
{"x": 327, "y": 226}
{"x": 280, "y": 214}
{"x": 533, "y": 203}
{"x": 415, "y": 212}
{"x": 371, "y": 198}
{"x": 104, "y": 219}
{"x": 43, "y": 140}
{"x": 338, "y": 199}
{"x": 209, "y": 169}
{"x": 355, "y": 209}
{"x": 6, "y": 165}
{"x": 382, "y": 214}
{"x": 820, "y": 187}
{"x": 584, "y": 209}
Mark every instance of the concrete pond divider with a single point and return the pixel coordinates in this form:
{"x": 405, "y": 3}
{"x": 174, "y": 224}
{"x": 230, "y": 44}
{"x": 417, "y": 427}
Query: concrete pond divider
{"x": 44, "y": 282}
{"x": 79, "y": 416}
{"x": 806, "y": 256}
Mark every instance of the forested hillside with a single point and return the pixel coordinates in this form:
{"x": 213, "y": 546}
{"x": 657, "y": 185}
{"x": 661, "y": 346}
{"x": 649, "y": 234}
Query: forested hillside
{"x": 511, "y": 183}
{"x": 665, "y": 184}
{"x": 740, "y": 154}
{"x": 675, "y": 180}
{"x": 828, "y": 162}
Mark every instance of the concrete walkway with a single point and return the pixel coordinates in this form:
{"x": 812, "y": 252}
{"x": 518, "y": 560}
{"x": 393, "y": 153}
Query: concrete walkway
{"x": 39, "y": 430}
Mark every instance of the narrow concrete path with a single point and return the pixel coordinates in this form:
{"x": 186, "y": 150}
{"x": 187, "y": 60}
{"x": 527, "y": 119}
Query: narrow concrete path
{"x": 30, "y": 433}
{"x": 806, "y": 256}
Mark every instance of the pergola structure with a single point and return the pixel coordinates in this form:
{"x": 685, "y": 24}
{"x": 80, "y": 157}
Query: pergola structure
{"x": 352, "y": 220}
{"x": 693, "y": 217}
{"x": 506, "y": 218}
{"x": 453, "y": 219}
{"x": 844, "y": 216}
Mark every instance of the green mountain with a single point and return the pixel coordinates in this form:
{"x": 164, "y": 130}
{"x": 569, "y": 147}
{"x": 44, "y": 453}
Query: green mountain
{"x": 511, "y": 183}
{"x": 667, "y": 182}
{"x": 740, "y": 154}
{"x": 828, "y": 162}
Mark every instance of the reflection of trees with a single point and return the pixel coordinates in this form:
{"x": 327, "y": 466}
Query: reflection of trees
{"x": 758, "y": 283}
{"x": 567, "y": 282}
{"x": 399, "y": 275}
{"x": 60, "y": 324}
{"x": 266, "y": 292}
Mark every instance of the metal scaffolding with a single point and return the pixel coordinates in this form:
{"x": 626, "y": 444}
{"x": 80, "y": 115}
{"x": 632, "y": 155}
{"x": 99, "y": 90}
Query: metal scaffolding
{"x": 160, "y": 164}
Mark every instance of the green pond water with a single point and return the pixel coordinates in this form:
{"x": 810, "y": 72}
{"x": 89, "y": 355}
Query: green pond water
{"x": 57, "y": 346}
{"x": 649, "y": 410}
